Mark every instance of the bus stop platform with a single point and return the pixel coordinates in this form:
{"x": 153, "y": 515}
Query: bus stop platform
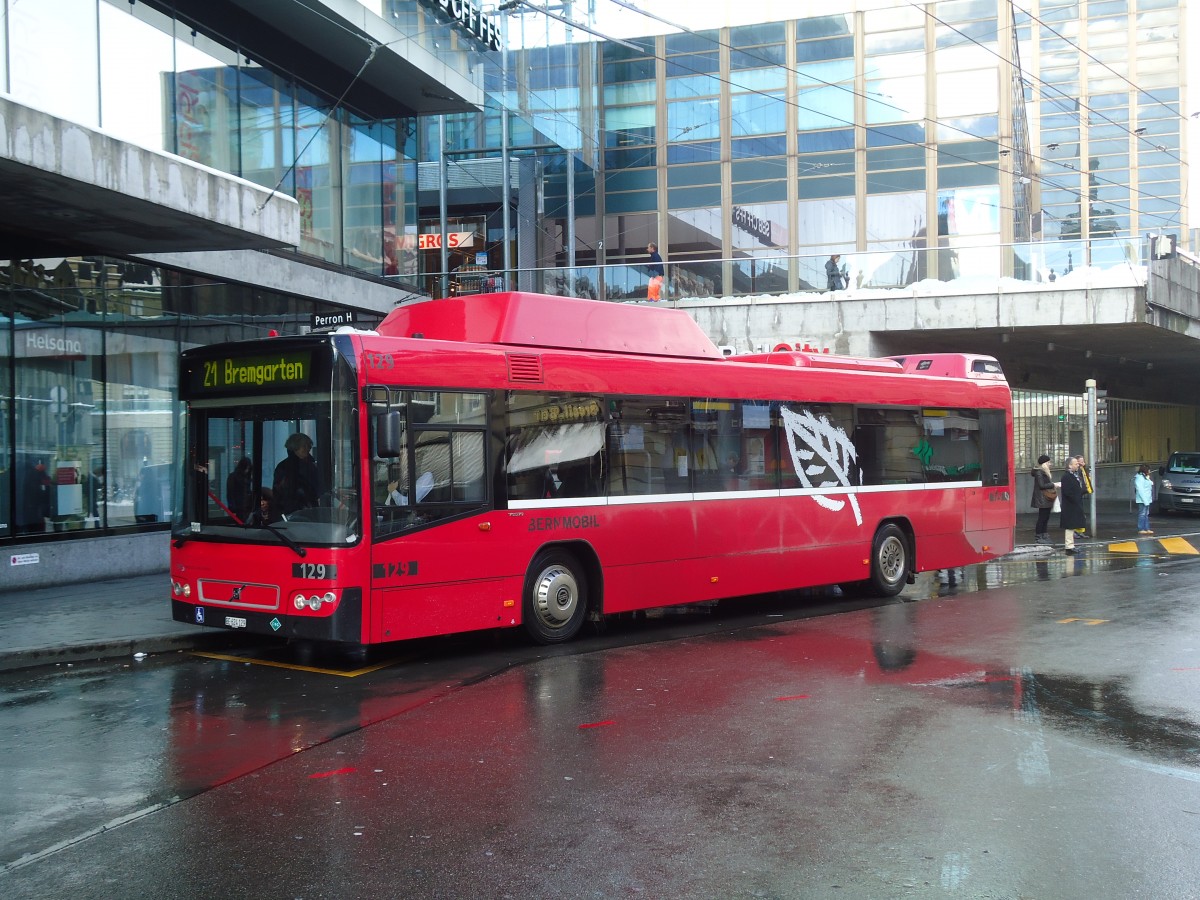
{"x": 94, "y": 620}
{"x": 124, "y": 617}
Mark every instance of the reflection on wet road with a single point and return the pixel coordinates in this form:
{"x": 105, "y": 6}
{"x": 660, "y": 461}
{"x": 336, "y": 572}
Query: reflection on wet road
{"x": 970, "y": 738}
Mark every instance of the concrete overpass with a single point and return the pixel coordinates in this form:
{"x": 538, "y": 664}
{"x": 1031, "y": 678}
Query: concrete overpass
{"x": 1136, "y": 330}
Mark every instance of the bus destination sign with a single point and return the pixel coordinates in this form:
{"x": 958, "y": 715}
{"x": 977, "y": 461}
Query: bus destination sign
{"x": 288, "y": 369}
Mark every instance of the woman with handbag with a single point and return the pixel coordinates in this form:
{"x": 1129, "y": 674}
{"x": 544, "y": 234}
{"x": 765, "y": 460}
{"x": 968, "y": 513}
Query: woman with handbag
{"x": 1044, "y": 494}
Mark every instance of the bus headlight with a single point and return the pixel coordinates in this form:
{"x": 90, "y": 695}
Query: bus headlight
{"x": 316, "y": 601}
{"x": 181, "y": 589}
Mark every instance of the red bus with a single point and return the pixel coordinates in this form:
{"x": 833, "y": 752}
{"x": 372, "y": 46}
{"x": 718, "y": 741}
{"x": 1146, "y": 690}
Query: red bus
{"x": 514, "y": 459}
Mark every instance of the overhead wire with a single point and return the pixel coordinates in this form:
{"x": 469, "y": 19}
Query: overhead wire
{"x": 1184, "y": 178}
{"x": 1081, "y": 105}
{"x": 941, "y": 151}
{"x": 1094, "y": 59}
{"x": 771, "y": 97}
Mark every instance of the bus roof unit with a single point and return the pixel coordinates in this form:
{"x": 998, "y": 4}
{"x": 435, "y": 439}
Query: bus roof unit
{"x": 803, "y": 360}
{"x": 519, "y": 319}
{"x": 953, "y": 365}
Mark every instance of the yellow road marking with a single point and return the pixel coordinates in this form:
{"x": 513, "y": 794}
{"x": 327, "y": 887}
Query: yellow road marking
{"x": 1084, "y": 621}
{"x": 279, "y": 665}
{"x": 1178, "y": 545}
{"x": 1124, "y": 547}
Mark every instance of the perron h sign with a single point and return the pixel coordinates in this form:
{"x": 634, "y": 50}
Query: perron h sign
{"x": 333, "y": 319}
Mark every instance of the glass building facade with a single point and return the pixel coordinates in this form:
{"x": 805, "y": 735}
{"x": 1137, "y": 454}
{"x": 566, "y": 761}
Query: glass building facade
{"x": 924, "y": 138}
{"x": 1106, "y": 84}
{"x": 89, "y": 352}
{"x": 89, "y": 345}
{"x": 189, "y": 94}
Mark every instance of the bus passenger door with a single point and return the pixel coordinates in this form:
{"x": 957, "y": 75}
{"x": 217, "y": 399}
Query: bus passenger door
{"x": 990, "y": 506}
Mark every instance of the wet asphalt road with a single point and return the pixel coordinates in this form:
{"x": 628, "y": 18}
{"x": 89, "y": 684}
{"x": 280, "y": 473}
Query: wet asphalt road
{"x": 1032, "y": 730}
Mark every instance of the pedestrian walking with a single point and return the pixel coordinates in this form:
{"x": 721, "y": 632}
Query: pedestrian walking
{"x": 1071, "y": 518}
{"x": 655, "y": 269}
{"x": 836, "y": 273}
{"x": 1044, "y": 494}
{"x": 1143, "y": 495}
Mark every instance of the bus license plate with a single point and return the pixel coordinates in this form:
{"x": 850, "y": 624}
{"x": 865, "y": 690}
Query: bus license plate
{"x": 235, "y": 622}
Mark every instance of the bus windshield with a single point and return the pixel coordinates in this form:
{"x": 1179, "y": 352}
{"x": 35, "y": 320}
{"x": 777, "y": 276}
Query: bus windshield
{"x": 273, "y": 469}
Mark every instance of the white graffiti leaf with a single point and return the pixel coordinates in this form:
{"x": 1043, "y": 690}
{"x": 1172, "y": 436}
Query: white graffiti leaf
{"x": 829, "y": 502}
{"x": 810, "y": 437}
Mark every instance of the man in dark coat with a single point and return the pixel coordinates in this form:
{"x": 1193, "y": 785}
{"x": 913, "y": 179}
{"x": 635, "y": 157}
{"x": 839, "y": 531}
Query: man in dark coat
{"x": 1071, "y": 498}
{"x": 836, "y": 274}
{"x": 239, "y": 489}
{"x": 297, "y": 481}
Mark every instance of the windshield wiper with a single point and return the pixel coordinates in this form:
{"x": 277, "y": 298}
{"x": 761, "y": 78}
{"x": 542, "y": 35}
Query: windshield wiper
{"x": 300, "y": 551}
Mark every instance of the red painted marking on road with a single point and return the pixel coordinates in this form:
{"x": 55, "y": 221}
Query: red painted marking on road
{"x": 596, "y": 724}
{"x": 794, "y": 697}
{"x": 1187, "y": 669}
{"x": 345, "y": 771}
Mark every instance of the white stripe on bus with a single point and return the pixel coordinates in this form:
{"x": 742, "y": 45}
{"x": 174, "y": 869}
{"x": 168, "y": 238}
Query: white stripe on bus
{"x": 628, "y": 499}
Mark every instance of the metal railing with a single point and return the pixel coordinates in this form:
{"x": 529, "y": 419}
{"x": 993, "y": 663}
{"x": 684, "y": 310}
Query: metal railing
{"x": 987, "y": 267}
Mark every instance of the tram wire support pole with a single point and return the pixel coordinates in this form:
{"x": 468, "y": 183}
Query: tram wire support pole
{"x": 505, "y": 165}
{"x": 1091, "y": 442}
{"x": 443, "y": 189}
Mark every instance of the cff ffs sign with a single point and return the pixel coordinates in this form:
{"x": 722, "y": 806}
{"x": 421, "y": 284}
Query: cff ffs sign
{"x": 470, "y": 18}
{"x": 454, "y": 240}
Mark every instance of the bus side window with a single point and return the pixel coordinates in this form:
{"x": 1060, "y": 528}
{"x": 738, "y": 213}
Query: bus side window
{"x": 633, "y": 473}
{"x": 579, "y": 478}
{"x": 556, "y": 459}
{"x": 468, "y": 466}
{"x": 824, "y": 430}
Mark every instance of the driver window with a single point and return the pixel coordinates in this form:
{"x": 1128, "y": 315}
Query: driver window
{"x": 428, "y": 458}
{"x": 389, "y": 464}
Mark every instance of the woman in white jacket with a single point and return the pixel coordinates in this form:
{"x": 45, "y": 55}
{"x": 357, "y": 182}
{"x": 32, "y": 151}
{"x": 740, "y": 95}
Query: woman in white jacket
{"x": 1143, "y": 495}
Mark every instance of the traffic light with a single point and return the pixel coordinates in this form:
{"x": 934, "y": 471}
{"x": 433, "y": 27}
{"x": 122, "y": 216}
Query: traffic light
{"x": 1101, "y": 407}
{"x": 1062, "y": 414}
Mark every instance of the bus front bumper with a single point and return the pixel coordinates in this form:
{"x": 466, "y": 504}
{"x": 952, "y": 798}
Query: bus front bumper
{"x": 343, "y": 625}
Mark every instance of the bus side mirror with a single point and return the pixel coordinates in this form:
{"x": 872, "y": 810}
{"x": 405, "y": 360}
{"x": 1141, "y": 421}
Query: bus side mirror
{"x": 389, "y": 434}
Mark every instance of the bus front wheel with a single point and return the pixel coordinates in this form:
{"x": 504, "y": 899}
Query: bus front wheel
{"x": 889, "y": 561}
{"x": 555, "y": 597}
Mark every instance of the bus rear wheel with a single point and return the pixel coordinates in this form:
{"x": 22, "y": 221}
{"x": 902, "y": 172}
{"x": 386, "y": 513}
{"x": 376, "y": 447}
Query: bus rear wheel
{"x": 556, "y": 594}
{"x": 890, "y": 561}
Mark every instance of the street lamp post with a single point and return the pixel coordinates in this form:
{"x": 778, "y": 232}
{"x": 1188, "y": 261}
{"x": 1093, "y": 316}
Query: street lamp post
{"x": 1090, "y": 385}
